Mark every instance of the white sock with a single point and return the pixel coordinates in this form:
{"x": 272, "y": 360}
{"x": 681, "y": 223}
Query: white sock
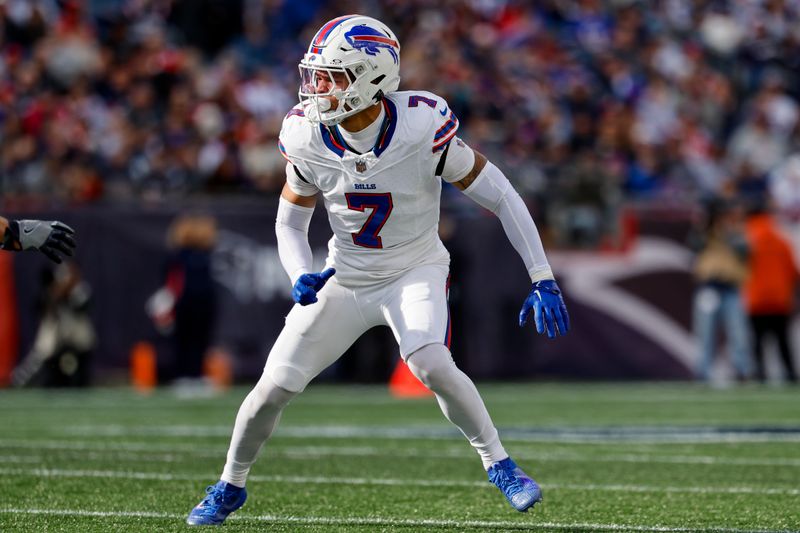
{"x": 257, "y": 418}
{"x": 459, "y": 400}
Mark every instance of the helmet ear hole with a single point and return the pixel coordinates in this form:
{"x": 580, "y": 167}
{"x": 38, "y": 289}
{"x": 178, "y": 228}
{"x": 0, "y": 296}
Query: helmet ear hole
{"x": 351, "y": 103}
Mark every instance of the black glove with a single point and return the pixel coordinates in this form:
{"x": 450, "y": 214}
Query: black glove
{"x": 50, "y": 237}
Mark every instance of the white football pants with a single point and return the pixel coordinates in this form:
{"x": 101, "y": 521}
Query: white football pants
{"x": 415, "y": 308}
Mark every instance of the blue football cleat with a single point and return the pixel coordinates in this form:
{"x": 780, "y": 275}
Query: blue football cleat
{"x": 519, "y": 489}
{"x": 221, "y": 500}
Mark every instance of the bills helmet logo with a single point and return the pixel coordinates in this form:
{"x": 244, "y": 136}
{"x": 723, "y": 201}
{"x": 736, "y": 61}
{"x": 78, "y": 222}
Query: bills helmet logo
{"x": 371, "y": 41}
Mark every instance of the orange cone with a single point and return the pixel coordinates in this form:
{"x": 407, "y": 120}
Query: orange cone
{"x": 218, "y": 368}
{"x": 404, "y": 384}
{"x": 144, "y": 375}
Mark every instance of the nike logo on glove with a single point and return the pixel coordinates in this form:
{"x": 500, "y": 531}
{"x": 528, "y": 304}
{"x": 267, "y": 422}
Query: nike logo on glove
{"x": 27, "y": 231}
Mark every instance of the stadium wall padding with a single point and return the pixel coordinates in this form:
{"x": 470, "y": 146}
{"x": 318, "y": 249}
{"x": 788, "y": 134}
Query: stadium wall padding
{"x": 629, "y": 312}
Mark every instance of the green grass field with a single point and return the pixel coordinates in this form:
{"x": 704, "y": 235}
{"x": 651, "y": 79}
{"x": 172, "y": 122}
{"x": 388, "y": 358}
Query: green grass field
{"x": 609, "y": 458}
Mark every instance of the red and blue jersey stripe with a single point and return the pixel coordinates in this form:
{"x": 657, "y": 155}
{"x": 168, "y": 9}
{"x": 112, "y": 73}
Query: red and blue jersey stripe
{"x": 319, "y": 39}
{"x": 445, "y": 133}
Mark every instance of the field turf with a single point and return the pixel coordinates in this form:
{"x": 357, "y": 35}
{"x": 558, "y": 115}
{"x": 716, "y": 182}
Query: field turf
{"x": 610, "y": 457}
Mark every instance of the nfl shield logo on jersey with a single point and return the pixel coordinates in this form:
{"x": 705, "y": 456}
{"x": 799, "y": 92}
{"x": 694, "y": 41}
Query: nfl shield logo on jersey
{"x": 361, "y": 165}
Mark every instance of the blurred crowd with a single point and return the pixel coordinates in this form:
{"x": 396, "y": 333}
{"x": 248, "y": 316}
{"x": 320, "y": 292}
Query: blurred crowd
{"x": 589, "y": 102}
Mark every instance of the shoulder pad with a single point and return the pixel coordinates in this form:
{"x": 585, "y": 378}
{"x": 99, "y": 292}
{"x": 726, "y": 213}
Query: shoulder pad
{"x": 295, "y": 136}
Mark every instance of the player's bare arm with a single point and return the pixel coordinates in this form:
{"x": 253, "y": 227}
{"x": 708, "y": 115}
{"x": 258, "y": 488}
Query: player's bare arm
{"x": 480, "y": 163}
{"x": 297, "y": 199}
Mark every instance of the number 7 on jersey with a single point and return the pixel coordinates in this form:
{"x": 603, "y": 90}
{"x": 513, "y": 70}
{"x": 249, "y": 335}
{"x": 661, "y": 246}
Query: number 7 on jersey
{"x": 381, "y": 205}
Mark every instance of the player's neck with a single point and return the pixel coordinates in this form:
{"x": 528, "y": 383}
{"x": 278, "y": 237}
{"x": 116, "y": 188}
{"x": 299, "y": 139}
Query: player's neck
{"x": 362, "y": 119}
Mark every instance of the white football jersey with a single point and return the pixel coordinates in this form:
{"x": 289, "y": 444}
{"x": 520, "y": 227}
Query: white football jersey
{"x": 383, "y": 206}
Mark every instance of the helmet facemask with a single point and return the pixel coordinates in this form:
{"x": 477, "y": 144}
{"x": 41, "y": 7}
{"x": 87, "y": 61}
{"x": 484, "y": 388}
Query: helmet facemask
{"x": 345, "y": 97}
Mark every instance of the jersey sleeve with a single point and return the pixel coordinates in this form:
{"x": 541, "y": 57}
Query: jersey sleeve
{"x": 434, "y": 123}
{"x": 445, "y": 126}
{"x": 459, "y": 160}
{"x": 298, "y": 183}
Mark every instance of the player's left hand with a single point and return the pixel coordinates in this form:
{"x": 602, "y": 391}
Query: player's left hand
{"x": 51, "y": 237}
{"x": 547, "y": 304}
{"x": 308, "y": 285}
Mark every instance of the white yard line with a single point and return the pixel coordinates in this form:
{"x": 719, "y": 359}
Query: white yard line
{"x": 532, "y": 525}
{"x": 20, "y": 459}
{"x": 115, "y": 474}
{"x": 178, "y": 453}
{"x": 118, "y": 446}
{"x": 127, "y": 457}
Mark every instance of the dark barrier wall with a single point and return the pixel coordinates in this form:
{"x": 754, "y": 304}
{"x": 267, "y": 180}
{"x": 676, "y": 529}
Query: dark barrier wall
{"x": 629, "y": 310}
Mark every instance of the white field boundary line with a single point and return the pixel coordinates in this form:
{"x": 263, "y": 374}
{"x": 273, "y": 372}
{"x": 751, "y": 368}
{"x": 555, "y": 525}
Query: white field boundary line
{"x": 377, "y": 521}
{"x": 633, "y": 434}
{"x": 306, "y": 452}
{"x": 149, "y": 446}
{"x": 159, "y": 476}
{"x": 182, "y": 454}
{"x": 560, "y": 397}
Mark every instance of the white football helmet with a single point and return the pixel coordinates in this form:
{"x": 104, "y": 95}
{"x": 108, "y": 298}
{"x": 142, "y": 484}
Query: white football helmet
{"x": 351, "y": 62}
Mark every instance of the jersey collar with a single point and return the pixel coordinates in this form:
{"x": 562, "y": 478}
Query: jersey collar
{"x": 335, "y": 142}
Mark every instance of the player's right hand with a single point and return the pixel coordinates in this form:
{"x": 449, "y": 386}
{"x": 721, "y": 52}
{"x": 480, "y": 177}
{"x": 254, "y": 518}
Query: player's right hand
{"x": 51, "y": 237}
{"x": 308, "y": 285}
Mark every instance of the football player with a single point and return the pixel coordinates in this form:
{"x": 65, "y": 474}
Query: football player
{"x": 377, "y": 157}
{"x": 51, "y": 237}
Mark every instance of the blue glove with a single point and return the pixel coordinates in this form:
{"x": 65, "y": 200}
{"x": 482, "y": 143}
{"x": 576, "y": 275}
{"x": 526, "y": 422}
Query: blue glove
{"x": 548, "y": 307}
{"x": 308, "y": 285}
